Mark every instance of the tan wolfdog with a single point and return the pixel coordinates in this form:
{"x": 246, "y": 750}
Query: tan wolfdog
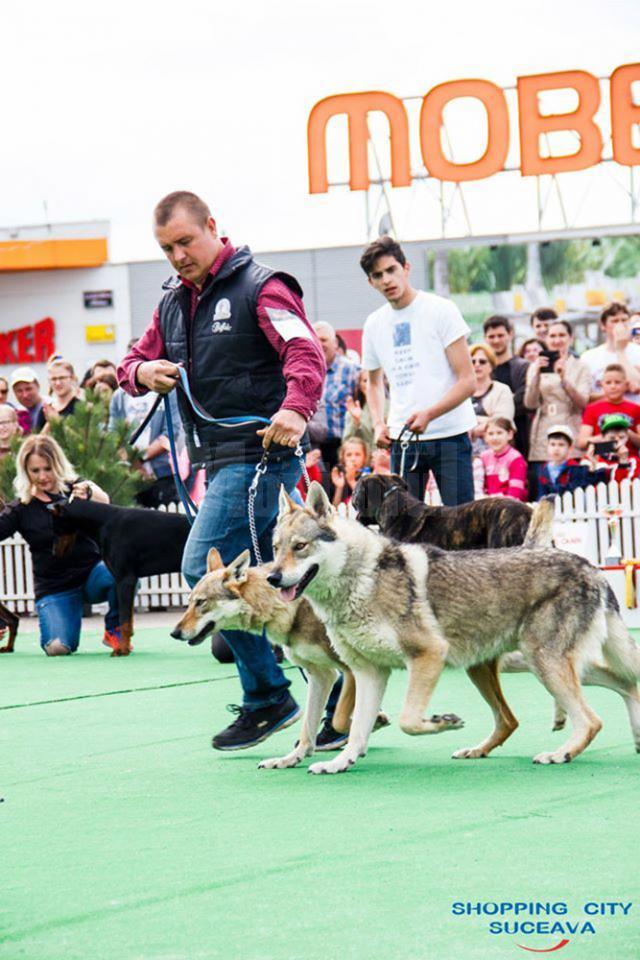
{"x": 238, "y": 597}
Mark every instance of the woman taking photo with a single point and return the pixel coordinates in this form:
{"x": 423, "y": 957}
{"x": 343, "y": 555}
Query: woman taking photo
{"x": 558, "y": 391}
{"x": 62, "y": 583}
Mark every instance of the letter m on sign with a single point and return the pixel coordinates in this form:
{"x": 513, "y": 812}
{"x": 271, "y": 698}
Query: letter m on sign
{"x": 357, "y": 106}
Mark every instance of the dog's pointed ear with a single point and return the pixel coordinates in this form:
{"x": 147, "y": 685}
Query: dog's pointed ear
{"x": 285, "y": 504}
{"x": 318, "y": 502}
{"x": 214, "y": 560}
{"x": 237, "y": 569}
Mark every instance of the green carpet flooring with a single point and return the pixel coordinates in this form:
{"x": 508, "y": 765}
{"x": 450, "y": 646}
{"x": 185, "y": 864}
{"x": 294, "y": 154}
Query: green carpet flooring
{"x": 124, "y": 835}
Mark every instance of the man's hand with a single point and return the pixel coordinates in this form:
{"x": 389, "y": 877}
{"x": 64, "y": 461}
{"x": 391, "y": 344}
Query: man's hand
{"x": 160, "y": 376}
{"x": 419, "y": 421}
{"x": 287, "y": 426}
{"x": 621, "y": 336}
{"x": 381, "y": 435}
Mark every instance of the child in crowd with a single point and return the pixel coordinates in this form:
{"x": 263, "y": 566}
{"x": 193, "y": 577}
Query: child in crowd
{"x": 505, "y": 470}
{"x": 353, "y": 457}
{"x": 561, "y": 473}
{"x": 614, "y": 387}
{"x": 622, "y": 463}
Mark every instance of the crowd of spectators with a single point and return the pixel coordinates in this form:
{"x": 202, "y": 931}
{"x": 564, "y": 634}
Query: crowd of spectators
{"x": 548, "y": 420}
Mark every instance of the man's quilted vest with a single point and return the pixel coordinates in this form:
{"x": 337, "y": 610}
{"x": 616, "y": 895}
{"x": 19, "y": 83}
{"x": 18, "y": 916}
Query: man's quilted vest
{"x": 233, "y": 369}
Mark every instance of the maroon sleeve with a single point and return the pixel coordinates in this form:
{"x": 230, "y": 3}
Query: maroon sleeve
{"x": 150, "y": 346}
{"x": 282, "y": 319}
{"x": 518, "y": 479}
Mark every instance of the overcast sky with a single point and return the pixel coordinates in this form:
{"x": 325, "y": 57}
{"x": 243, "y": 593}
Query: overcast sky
{"x": 106, "y": 107}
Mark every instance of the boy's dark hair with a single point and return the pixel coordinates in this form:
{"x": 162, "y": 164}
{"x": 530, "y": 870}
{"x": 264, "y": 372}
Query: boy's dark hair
{"x": 614, "y": 368}
{"x": 612, "y": 309}
{"x": 382, "y": 247}
{"x": 543, "y": 313}
{"x": 497, "y": 320}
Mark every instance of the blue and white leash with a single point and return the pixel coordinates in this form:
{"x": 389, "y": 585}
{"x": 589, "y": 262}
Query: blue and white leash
{"x": 231, "y": 423}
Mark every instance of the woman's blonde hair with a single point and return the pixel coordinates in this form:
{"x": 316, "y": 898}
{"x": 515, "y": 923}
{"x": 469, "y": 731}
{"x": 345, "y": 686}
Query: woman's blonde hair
{"x": 52, "y": 452}
{"x": 487, "y": 350}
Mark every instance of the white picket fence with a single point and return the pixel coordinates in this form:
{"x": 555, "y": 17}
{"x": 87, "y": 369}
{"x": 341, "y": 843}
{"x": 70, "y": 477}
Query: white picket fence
{"x": 581, "y": 526}
{"x": 16, "y": 580}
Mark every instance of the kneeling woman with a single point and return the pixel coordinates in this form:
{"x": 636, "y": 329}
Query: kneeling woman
{"x": 62, "y": 583}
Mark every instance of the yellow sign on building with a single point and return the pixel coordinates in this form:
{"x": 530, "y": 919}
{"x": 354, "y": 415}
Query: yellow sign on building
{"x": 100, "y": 333}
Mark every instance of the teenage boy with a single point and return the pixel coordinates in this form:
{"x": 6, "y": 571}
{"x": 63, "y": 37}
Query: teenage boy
{"x": 541, "y": 320}
{"x": 561, "y": 473}
{"x": 614, "y": 386}
{"x": 419, "y": 340}
{"x": 617, "y": 348}
{"x": 498, "y": 333}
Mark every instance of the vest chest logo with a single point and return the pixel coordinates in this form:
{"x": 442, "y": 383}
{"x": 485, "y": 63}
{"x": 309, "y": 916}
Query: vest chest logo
{"x": 221, "y": 314}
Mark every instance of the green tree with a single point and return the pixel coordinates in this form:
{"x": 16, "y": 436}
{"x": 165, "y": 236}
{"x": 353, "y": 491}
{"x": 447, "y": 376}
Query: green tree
{"x": 566, "y": 261}
{"x": 621, "y": 256}
{"x": 470, "y": 270}
{"x": 508, "y": 264}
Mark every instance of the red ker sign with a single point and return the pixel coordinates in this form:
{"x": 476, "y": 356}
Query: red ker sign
{"x": 32, "y": 344}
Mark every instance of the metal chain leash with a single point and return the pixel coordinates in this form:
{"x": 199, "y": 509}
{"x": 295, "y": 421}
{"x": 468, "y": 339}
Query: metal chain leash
{"x": 261, "y": 469}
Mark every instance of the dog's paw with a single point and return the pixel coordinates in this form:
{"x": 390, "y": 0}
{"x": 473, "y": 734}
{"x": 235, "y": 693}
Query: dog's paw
{"x": 559, "y": 725}
{"x": 470, "y": 753}
{"x": 280, "y": 763}
{"x": 121, "y": 652}
{"x": 339, "y": 765}
{"x": 382, "y": 720}
{"x": 559, "y": 756}
{"x": 438, "y": 723}
{"x": 6, "y": 649}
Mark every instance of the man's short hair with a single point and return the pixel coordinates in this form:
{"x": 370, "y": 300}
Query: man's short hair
{"x": 497, "y": 320}
{"x": 382, "y": 247}
{"x": 190, "y": 202}
{"x": 546, "y": 314}
{"x": 613, "y": 309}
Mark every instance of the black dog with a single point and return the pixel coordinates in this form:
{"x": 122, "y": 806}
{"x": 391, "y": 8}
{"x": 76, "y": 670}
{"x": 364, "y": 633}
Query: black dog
{"x": 134, "y": 543}
{"x": 12, "y": 621}
{"x": 493, "y": 522}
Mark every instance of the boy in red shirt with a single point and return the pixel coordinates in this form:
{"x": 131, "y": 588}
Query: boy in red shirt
{"x": 614, "y": 387}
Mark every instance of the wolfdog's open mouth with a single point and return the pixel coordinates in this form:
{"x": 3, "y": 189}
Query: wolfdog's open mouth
{"x": 292, "y": 593}
{"x": 199, "y": 637}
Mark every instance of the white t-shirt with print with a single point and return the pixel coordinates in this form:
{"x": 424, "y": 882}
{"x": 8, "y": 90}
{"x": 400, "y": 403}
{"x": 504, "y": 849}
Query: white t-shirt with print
{"x": 409, "y": 345}
{"x": 600, "y": 357}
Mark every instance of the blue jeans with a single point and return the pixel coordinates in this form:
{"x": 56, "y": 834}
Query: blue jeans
{"x": 450, "y": 461}
{"x": 60, "y": 614}
{"x": 222, "y": 522}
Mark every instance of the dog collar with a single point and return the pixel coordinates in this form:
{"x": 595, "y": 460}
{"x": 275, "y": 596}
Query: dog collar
{"x": 390, "y": 490}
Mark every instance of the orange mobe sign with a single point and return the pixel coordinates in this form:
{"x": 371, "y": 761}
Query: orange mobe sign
{"x": 533, "y": 124}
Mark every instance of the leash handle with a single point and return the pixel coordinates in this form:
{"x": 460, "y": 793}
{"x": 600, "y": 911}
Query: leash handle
{"x": 405, "y": 442}
{"x": 190, "y": 508}
{"x": 228, "y": 422}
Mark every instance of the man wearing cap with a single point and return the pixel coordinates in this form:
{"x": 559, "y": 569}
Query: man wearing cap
{"x": 562, "y": 473}
{"x": 26, "y": 389}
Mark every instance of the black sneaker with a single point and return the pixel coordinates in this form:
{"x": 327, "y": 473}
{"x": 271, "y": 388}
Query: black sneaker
{"x": 330, "y": 739}
{"x": 254, "y": 726}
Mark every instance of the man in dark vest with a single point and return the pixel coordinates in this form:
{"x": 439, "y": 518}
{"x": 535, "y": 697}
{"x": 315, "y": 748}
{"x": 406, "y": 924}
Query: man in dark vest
{"x": 239, "y": 330}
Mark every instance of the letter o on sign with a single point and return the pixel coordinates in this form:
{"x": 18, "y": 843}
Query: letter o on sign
{"x": 493, "y": 159}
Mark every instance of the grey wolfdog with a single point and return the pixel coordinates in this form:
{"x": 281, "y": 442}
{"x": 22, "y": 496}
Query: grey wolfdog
{"x": 387, "y": 605}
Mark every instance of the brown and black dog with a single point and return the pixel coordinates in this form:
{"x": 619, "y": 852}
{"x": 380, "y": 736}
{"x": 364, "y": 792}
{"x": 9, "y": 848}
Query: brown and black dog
{"x": 11, "y": 621}
{"x": 384, "y": 500}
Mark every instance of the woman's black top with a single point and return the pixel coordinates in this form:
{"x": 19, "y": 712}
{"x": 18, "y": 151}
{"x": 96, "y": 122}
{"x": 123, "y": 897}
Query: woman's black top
{"x": 41, "y": 530}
